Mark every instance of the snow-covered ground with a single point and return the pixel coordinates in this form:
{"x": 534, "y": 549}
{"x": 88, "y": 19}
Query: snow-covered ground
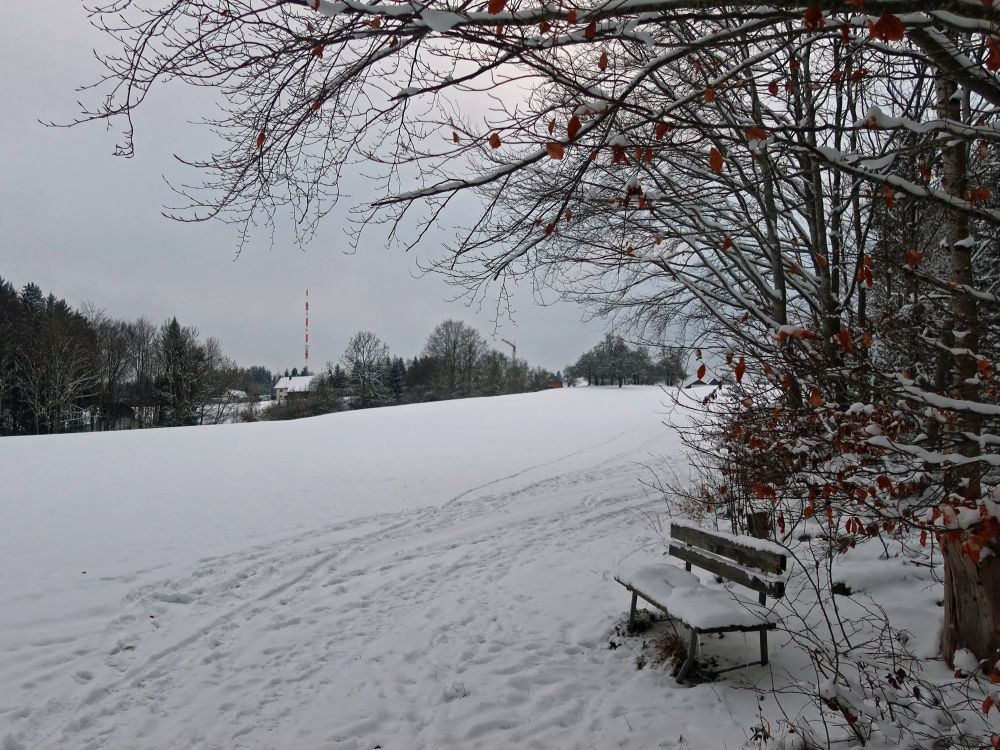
{"x": 430, "y": 576}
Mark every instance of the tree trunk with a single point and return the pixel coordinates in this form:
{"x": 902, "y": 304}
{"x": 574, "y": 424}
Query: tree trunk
{"x": 759, "y": 524}
{"x": 955, "y": 181}
{"x": 971, "y": 588}
{"x": 971, "y": 605}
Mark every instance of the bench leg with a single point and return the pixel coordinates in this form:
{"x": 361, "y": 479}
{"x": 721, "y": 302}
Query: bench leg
{"x": 763, "y": 633}
{"x": 689, "y": 662}
{"x": 631, "y": 613}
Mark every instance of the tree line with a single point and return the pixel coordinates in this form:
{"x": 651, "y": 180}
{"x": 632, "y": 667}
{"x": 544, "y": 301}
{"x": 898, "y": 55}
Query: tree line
{"x": 614, "y": 362}
{"x": 456, "y": 362}
{"x": 67, "y": 370}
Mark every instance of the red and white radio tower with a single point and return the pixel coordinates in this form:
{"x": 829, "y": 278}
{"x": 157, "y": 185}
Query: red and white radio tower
{"x": 307, "y": 331}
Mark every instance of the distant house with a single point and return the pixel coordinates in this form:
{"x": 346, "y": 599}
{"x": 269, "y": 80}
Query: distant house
{"x": 290, "y": 387}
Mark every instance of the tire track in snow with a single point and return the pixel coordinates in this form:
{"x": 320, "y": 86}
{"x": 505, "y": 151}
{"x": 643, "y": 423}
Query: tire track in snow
{"x": 542, "y": 465}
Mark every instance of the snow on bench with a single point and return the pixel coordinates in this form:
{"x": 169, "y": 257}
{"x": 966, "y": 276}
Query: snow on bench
{"x": 749, "y": 542}
{"x": 706, "y": 610}
{"x": 755, "y": 563}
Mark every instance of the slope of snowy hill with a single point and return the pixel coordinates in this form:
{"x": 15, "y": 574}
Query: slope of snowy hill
{"x": 430, "y": 576}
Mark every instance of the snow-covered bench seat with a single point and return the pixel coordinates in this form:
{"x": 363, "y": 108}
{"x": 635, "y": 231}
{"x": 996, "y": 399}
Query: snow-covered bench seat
{"x": 754, "y": 563}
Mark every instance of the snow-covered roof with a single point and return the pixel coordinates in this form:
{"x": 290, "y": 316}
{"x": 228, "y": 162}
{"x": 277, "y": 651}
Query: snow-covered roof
{"x": 297, "y": 384}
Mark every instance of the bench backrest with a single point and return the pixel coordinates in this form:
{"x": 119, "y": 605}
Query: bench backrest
{"x": 725, "y": 556}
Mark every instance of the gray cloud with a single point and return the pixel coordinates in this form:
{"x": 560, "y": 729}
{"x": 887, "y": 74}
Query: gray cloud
{"x": 88, "y": 226}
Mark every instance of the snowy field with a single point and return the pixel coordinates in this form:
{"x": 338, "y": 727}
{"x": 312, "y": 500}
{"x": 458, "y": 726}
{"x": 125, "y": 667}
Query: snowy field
{"x": 429, "y": 576}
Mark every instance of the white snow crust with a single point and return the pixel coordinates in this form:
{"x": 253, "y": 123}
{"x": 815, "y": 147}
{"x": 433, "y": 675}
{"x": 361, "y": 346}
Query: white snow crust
{"x": 761, "y": 545}
{"x": 440, "y": 20}
{"x": 694, "y": 603}
{"x": 428, "y": 576}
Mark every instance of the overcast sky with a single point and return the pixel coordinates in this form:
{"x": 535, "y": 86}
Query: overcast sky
{"x": 87, "y": 226}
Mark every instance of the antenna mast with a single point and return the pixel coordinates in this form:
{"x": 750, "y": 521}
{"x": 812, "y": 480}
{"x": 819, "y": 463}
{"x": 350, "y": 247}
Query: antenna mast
{"x": 513, "y": 351}
{"x": 306, "y": 368}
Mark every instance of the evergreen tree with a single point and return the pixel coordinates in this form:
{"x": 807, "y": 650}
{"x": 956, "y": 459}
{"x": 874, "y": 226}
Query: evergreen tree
{"x": 339, "y": 377}
{"x": 397, "y": 378}
{"x": 181, "y": 385}
{"x": 32, "y": 298}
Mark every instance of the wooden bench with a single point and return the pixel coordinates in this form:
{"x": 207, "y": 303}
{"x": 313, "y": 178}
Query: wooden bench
{"x": 754, "y": 563}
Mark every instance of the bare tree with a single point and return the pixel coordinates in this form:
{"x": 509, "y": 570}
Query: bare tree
{"x": 142, "y": 368}
{"x": 494, "y": 373}
{"x": 56, "y": 366}
{"x": 219, "y": 402}
{"x": 731, "y": 167}
{"x": 112, "y": 355}
{"x": 455, "y": 348}
{"x": 366, "y": 361}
